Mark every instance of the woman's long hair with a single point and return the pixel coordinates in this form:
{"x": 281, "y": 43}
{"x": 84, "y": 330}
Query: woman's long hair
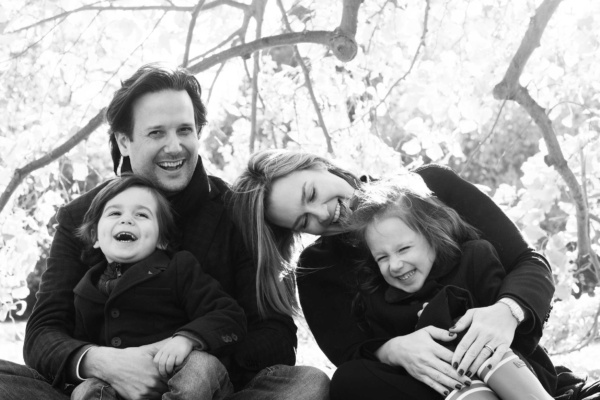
{"x": 408, "y": 198}
{"x": 272, "y": 247}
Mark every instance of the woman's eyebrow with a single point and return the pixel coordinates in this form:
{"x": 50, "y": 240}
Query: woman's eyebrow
{"x": 302, "y": 201}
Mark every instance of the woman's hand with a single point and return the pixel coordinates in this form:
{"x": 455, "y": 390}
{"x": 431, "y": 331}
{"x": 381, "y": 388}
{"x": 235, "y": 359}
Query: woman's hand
{"x": 423, "y": 358}
{"x": 491, "y": 332}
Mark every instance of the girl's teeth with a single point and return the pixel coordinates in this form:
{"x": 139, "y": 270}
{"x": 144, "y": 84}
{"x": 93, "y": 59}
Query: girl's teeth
{"x": 407, "y": 275}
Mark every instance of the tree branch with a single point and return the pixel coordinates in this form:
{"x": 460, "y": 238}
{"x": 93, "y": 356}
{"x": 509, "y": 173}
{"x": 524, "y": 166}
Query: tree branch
{"x": 190, "y": 35}
{"x": 308, "y": 82}
{"x": 91, "y": 7}
{"x": 259, "y": 12}
{"x": 21, "y": 173}
{"x": 510, "y": 89}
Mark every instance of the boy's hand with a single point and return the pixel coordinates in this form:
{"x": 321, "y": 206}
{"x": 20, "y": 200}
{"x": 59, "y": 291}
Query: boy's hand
{"x": 172, "y": 354}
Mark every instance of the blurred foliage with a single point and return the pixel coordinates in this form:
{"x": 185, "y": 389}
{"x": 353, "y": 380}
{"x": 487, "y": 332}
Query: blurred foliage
{"x": 418, "y": 91}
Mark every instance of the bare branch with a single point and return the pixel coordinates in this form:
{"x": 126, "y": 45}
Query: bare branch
{"x": 259, "y": 12}
{"x": 308, "y": 82}
{"x": 190, "y": 35}
{"x": 21, "y": 173}
{"x": 510, "y": 89}
{"x": 92, "y": 7}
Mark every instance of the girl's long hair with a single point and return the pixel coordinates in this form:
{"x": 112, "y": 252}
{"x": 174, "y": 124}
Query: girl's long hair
{"x": 272, "y": 247}
{"x": 405, "y": 197}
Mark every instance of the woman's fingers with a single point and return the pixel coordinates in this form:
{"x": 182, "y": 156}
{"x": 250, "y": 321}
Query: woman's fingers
{"x": 439, "y": 381}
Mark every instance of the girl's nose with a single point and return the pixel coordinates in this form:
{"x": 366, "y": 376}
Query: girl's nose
{"x": 396, "y": 264}
{"x": 126, "y": 221}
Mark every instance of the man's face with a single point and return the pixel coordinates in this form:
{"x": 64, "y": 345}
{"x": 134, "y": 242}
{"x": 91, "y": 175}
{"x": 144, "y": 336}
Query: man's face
{"x": 164, "y": 143}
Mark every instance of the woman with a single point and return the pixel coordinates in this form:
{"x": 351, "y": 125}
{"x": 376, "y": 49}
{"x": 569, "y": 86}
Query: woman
{"x": 283, "y": 194}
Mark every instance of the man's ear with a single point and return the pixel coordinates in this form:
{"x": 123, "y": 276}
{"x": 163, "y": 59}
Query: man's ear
{"x": 96, "y": 244}
{"x": 123, "y": 143}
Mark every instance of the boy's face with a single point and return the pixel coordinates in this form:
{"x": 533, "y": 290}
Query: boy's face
{"x": 164, "y": 143}
{"x": 128, "y": 228}
{"x": 404, "y": 256}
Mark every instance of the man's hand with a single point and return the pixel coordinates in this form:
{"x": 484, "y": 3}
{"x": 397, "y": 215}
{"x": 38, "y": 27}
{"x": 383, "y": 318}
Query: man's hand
{"x": 131, "y": 371}
{"x": 172, "y": 354}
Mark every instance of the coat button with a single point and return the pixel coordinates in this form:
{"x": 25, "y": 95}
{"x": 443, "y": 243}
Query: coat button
{"x": 114, "y": 313}
{"x": 226, "y": 338}
{"x": 116, "y": 341}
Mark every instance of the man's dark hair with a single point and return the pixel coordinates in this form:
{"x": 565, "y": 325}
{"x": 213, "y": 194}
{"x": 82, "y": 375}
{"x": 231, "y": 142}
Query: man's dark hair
{"x": 150, "y": 78}
{"x": 88, "y": 231}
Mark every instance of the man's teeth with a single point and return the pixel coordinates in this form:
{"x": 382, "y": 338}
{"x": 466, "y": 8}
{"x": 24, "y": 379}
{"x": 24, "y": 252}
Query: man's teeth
{"x": 170, "y": 164}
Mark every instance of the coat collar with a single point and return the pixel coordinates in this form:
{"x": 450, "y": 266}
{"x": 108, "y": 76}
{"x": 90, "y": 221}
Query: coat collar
{"x": 147, "y": 268}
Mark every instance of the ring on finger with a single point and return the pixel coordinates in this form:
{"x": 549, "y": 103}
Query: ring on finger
{"x": 492, "y": 351}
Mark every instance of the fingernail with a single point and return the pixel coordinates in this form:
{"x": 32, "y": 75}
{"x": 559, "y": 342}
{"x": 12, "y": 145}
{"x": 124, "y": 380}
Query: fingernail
{"x": 458, "y": 386}
{"x": 468, "y": 374}
{"x": 460, "y": 372}
{"x": 451, "y": 334}
{"x": 467, "y": 383}
{"x": 446, "y": 393}
{"x": 453, "y": 327}
{"x": 489, "y": 366}
{"x": 455, "y": 365}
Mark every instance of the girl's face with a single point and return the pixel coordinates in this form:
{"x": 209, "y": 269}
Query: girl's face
{"x": 404, "y": 256}
{"x": 128, "y": 227}
{"x": 310, "y": 201}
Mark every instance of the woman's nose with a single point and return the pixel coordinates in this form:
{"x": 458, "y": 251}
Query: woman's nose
{"x": 321, "y": 212}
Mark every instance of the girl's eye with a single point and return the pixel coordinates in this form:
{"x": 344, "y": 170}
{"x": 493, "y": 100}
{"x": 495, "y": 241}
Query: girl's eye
{"x": 403, "y": 249}
{"x": 143, "y": 215}
{"x": 380, "y": 259}
{"x": 114, "y": 213}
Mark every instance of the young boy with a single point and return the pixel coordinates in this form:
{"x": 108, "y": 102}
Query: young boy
{"x": 140, "y": 294}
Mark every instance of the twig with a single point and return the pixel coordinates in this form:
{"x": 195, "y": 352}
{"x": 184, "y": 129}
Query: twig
{"x": 308, "y": 82}
{"x": 190, "y": 34}
{"x": 259, "y": 8}
{"x": 484, "y": 139}
{"x": 21, "y": 173}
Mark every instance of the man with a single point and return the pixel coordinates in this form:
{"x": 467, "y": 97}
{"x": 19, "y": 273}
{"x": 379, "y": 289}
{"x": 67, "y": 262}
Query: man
{"x": 155, "y": 120}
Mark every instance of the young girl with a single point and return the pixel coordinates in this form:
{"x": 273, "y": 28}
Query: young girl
{"x": 419, "y": 251}
{"x": 141, "y": 294}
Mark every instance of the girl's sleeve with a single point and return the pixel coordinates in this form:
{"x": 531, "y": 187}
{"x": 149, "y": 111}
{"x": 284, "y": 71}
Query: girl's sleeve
{"x": 529, "y": 276}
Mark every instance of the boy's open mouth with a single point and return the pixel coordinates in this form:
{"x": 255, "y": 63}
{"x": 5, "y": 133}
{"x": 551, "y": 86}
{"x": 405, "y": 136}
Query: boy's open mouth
{"x": 125, "y": 237}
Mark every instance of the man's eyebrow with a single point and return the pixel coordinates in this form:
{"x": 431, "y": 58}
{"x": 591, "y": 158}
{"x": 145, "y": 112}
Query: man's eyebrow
{"x": 302, "y": 201}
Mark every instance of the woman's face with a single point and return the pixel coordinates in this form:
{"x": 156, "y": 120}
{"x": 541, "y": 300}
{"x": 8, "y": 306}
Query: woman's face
{"x": 310, "y": 201}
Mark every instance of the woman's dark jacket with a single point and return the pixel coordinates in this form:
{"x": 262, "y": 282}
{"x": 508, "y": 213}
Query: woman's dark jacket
{"x": 206, "y": 230}
{"x": 154, "y": 299}
{"x": 327, "y": 286}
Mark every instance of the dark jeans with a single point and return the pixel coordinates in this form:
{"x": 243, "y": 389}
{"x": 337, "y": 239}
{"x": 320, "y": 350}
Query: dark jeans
{"x": 18, "y": 382}
{"x": 365, "y": 380}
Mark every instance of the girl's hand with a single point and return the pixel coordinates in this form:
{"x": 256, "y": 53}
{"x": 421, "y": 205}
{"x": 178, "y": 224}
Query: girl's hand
{"x": 493, "y": 327}
{"x": 423, "y": 358}
{"x": 172, "y": 354}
